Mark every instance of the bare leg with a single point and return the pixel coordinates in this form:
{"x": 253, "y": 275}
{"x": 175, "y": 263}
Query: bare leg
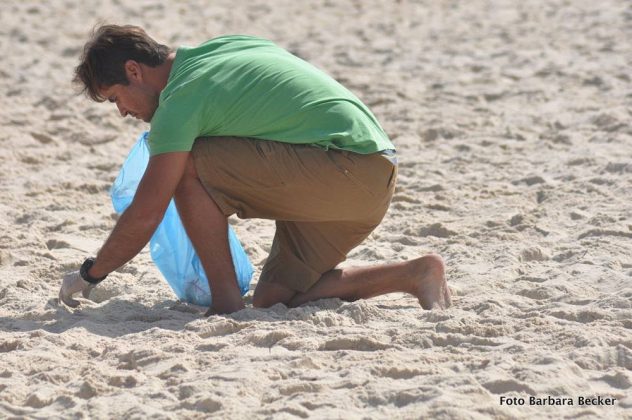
{"x": 207, "y": 228}
{"x": 423, "y": 277}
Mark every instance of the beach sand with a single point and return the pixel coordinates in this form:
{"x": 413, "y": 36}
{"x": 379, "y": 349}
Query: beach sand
{"x": 512, "y": 122}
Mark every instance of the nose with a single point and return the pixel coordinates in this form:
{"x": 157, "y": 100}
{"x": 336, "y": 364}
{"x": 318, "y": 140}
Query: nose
{"x": 122, "y": 110}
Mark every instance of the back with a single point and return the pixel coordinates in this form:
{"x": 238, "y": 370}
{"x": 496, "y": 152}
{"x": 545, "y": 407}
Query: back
{"x": 249, "y": 87}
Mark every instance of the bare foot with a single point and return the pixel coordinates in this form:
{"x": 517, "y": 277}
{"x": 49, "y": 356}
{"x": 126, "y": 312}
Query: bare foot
{"x": 430, "y": 285}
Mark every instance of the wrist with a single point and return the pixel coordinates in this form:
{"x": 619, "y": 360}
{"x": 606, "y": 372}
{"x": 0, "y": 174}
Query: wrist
{"x": 95, "y": 272}
{"x": 90, "y": 273}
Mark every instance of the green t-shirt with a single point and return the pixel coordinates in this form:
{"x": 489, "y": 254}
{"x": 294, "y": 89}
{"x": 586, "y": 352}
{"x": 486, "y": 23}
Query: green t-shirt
{"x": 249, "y": 87}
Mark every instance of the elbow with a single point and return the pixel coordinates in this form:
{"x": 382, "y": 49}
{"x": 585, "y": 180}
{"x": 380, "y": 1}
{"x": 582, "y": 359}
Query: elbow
{"x": 150, "y": 220}
{"x": 147, "y": 219}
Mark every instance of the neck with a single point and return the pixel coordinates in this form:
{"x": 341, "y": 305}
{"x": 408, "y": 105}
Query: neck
{"x": 158, "y": 76}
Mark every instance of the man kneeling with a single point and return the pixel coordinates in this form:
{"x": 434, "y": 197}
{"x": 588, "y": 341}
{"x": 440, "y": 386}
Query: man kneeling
{"x": 241, "y": 126}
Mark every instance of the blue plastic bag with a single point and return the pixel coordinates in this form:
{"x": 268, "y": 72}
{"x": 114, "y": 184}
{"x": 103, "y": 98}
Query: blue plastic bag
{"x": 170, "y": 247}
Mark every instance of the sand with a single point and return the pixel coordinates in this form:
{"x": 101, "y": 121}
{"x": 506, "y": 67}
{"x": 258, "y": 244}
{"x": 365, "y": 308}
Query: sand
{"x": 512, "y": 121}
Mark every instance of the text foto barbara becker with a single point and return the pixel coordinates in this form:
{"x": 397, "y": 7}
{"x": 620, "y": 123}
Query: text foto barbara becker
{"x": 548, "y": 400}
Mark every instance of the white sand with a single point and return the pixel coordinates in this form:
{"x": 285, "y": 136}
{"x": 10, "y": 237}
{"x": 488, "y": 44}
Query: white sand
{"x": 513, "y": 124}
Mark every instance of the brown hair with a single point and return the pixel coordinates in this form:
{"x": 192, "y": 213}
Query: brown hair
{"x": 104, "y": 56}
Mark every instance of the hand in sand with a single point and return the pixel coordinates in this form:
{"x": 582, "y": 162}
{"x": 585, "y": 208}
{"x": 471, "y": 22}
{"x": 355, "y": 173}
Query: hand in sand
{"x": 71, "y": 284}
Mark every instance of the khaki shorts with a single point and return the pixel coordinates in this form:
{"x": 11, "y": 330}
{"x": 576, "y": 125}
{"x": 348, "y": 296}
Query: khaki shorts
{"x": 325, "y": 203}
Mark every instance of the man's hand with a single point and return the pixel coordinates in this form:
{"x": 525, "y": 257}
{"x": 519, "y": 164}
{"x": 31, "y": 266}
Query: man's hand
{"x": 71, "y": 284}
{"x": 226, "y": 300}
{"x": 225, "y": 309}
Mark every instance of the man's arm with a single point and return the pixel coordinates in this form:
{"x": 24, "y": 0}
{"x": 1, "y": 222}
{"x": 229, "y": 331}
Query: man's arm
{"x": 138, "y": 223}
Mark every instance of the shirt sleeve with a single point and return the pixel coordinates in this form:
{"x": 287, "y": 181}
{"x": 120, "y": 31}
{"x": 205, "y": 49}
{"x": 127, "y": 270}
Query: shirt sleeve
{"x": 174, "y": 127}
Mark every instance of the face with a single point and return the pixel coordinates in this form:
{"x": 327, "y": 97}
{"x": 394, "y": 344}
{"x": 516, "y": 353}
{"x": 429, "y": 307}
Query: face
{"x": 137, "y": 99}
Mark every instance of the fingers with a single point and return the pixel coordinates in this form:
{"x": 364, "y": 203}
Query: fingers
{"x": 73, "y": 283}
{"x": 67, "y": 300}
{"x": 86, "y": 292}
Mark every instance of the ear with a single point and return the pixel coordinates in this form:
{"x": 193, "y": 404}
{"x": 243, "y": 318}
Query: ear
{"x": 133, "y": 71}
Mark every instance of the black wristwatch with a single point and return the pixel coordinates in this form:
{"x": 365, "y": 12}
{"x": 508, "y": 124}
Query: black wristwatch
{"x": 83, "y": 272}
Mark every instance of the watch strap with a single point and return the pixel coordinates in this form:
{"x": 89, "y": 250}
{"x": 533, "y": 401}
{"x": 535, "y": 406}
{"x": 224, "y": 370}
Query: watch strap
{"x": 83, "y": 272}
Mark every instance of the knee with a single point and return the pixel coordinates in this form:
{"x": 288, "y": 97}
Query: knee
{"x": 188, "y": 177}
{"x": 267, "y": 295}
{"x": 259, "y": 302}
{"x": 190, "y": 171}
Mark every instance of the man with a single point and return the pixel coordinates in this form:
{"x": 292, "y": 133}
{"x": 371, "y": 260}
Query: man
{"x": 241, "y": 126}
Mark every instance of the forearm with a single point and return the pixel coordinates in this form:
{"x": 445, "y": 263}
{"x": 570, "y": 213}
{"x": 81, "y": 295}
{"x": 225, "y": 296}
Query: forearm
{"x": 129, "y": 236}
